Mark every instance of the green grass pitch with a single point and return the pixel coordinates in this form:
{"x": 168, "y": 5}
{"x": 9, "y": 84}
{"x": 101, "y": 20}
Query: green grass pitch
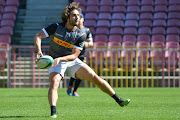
{"x": 146, "y": 104}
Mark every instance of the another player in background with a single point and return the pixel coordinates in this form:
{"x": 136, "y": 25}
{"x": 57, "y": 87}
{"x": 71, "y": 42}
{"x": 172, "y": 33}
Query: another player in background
{"x": 66, "y": 43}
{"x": 82, "y": 56}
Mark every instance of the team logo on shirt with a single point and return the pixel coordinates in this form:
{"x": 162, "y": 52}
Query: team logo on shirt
{"x": 63, "y": 43}
{"x": 81, "y": 44}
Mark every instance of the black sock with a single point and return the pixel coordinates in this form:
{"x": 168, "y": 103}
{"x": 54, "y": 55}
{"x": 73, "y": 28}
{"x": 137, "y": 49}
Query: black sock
{"x": 53, "y": 110}
{"x": 77, "y": 83}
{"x": 116, "y": 98}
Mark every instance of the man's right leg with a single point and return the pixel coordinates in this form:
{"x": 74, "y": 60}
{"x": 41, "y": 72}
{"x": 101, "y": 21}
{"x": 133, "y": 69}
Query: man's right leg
{"x": 70, "y": 86}
{"x": 55, "y": 79}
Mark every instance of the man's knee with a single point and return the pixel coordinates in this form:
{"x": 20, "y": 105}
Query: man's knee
{"x": 54, "y": 84}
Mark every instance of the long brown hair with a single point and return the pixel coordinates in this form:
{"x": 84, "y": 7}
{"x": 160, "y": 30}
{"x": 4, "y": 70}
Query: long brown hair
{"x": 68, "y": 10}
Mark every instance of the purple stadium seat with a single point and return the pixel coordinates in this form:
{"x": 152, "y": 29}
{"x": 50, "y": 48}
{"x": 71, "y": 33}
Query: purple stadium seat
{"x": 157, "y": 54}
{"x": 82, "y": 2}
{"x": 102, "y": 30}
{"x": 1, "y": 10}
{"x": 6, "y": 31}
{"x": 113, "y": 54}
{"x": 103, "y": 23}
{"x": 133, "y": 9}
{"x": 131, "y": 23}
{"x": 2, "y": 2}
{"x": 159, "y": 23}
{"x": 160, "y": 2}
{"x": 90, "y": 16}
{"x": 145, "y": 23}
{"x": 174, "y": 2}
{"x": 131, "y": 38}
{"x": 92, "y": 9}
{"x": 116, "y": 30}
{"x": 144, "y": 31}
{"x": 143, "y": 53}
{"x": 160, "y": 8}
{"x": 144, "y": 16}
{"x": 115, "y": 37}
{"x": 90, "y": 23}
{"x": 119, "y": 9}
{"x": 160, "y": 15}
{"x": 10, "y": 16}
{"x": 106, "y": 2}
{"x": 173, "y": 23}
{"x": 119, "y": 16}
{"x": 133, "y": 2}
{"x": 92, "y": 30}
{"x": 145, "y": 38}
{"x": 7, "y": 23}
{"x": 132, "y": 16}
{"x": 130, "y": 31}
{"x": 173, "y": 15}
{"x": 104, "y": 16}
{"x": 120, "y": 2}
{"x": 5, "y": 38}
{"x": 174, "y": 8}
{"x": 147, "y": 2}
{"x": 92, "y": 2}
{"x": 158, "y": 37}
{"x": 158, "y": 30}
{"x": 117, "y": 23}
{"x": 147, "y": 8}
{"x": 174, "y": 38}
{"x": 10, "y": 9}
{"x": 12, "y": 2}
{"x": 128, "y": 54}
{"x": 173, "y": 30}
{"x": 105, "y": 9}
{"x": 101, "y": 38}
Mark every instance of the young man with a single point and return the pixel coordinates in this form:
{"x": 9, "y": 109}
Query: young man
{"x": 82, "y": 56}
{"x": 66, "y": 43}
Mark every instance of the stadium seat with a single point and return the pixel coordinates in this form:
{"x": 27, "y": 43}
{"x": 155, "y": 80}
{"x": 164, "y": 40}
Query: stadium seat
{"x": 144, "y": 16}
{"x": 5, "y": 38}
{"x": 174, "y": 2}
{"x": 131, "y": 23}
{"x": 12, "y": 3}
{"x": 160, "y": 15}
{"x": 90, "y": 16}
{"x": 145, "y": 38}
{"x": 92, "y": 2}
{"x": 173, "y": 23}
{"x": 92, "y": 9}
{"x": 1, "y": 9}
{"x": 147, "y": 8}
{"x": 174, "y": 8}
{"x": 158, "y": 30}
{"x": 117, "y": 23}
{"x": 10, "y": 16}
{"x": 157, "y": 54}
{"x": 173, "y": 30}
{"x": 6, "y": 31}
{"x": 147, "y": 2}
{"x": 160, "y": 2}
{"x": 119, "y": 16}
{"x": 145, "y": 23}
{"x": 119, "y": 9}
{"x": 158, "y": 37}
{"x": 106, "y": 2}
{"x": 143, "y": 54}
{"x": 131, "y": 38}
{"x": 132, "y": 16}
{"x": 174, "y": 38}
{"x": 2, "y": 2}
{"x": 132, "y": 9}
{"x": 10, "y": 9}
{"x": 159, "y": 23}
{"x": 7, "y": 23}
{"x": 103, "y": 23}
{"x": 92, "y": 30}
{"x": 160, "y": 8}
{"x": 102, "y": 30}
{"x": 115, "y": 37}
{"x": 120, "y": 2}
{"x": 173, "y": 15}
{"x": 105, "y": 9}
{"x": 116, "y": 31}
{"x": 101, "y": 38}
{"x": 113, "y": 54}
{"x": 128, "y": 54}
{"x": 130, "y": 31}
{"x": 90, "y": 23}
{"x": 133, "y": 2}
{"x": 104, "y": 16}
{"x": 82, "y": 2}
{"x": 144, "y": 30}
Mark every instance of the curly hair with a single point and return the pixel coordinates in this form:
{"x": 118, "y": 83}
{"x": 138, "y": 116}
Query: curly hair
{"x": 68, "y": 9}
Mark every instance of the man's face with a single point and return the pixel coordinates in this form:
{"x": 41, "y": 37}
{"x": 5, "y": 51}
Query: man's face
{"x": 74, "y": 18}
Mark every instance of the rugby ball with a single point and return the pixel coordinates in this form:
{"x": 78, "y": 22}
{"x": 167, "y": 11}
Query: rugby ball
{"x": 45, "y": 62}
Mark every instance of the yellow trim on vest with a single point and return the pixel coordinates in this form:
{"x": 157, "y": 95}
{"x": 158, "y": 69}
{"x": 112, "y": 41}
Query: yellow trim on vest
{"x": 63, "y": 43}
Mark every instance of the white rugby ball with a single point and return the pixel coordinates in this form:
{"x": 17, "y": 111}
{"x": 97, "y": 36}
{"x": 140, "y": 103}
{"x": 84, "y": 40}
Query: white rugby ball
{"x": 45, "y": 62}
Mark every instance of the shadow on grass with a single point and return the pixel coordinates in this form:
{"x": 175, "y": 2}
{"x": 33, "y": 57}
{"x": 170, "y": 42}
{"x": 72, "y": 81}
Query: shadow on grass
{"x": 22, "y": 116}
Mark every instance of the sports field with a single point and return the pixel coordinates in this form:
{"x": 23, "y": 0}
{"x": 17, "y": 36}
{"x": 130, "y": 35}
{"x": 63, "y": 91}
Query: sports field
{"x": 146, "y": 104}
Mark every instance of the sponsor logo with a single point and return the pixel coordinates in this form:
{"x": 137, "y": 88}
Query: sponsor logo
{"x": 63, "y": 43}
{"x": 82, "y": 44}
